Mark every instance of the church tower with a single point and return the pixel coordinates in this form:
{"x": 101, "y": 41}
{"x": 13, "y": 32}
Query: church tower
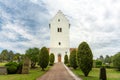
{"x": 59, "y": 36}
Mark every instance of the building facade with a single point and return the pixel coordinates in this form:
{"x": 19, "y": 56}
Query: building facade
{"x": 59, "y": 36}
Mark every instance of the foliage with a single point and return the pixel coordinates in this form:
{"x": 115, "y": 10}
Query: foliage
{"x": 32, "y": 54}
{"x": 98, "y": 63}
{"x": 107, "y": 60}
{"x": 19, "y": 68}
{"x": 73, "y": 59}
{"x": 11, "y": 67}
{"x": 52, "y": 59}
{"x": 43, "y": 58}
{"x": 66, "y": 59}
{"x": 17, "y": 57}
{"x": 103, "y": 74}
{"x": 85, "y": 58}
{"x": 116, "y": 61}
{"x": 10, "y": 56}
{"x": 4, "y": 55}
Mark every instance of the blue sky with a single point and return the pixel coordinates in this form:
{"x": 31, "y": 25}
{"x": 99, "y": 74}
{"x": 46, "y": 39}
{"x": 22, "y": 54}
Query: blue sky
{"x": 24, "y": 24}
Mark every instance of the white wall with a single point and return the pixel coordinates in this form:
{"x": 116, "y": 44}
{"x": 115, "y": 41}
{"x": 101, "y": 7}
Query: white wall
{"x": 56, "y": 37}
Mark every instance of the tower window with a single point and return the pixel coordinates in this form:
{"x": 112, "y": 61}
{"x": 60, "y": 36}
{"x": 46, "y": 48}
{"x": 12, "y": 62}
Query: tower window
{"x": 58, "y": 20}
{"x": 49, "y": 25}
{"x": 59, "y": 29}
{"x": 59, "y": 43}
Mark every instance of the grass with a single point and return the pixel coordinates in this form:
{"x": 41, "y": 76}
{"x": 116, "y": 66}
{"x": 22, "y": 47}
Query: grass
{"x": 33, "y": 75}
{"x": 2, "y": 64}
{"x": 94, "y": 74}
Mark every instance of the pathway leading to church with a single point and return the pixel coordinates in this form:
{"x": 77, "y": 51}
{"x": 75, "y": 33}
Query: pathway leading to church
{"x": 57, "y": 72}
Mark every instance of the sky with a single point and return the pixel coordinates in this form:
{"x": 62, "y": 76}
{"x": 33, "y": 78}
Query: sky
{"x": 25, "y": 24}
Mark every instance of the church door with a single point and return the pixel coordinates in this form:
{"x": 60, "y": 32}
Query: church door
{"x": 59, "y": 58}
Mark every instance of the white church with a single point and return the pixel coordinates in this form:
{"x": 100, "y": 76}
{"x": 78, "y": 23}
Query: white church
{"x": 59, "y": 36}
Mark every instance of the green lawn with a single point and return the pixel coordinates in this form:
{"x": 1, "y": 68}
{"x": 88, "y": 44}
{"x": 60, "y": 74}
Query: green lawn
{"x": 34, "y": 73}
{"x": 2, "y": 64}
{"x": 94, "y": 74}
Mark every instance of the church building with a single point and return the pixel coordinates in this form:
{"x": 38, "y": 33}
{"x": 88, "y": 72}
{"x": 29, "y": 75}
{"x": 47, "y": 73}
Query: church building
{"x": 59, "y": 36}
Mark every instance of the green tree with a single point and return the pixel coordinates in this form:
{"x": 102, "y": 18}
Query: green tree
{"x": 10, "y": 56}
{"x": 4, "y": 55}
{"x": 101, "y": 59}
{"x": 32, "y": 54}
{"x": 73, "y": 59}
{"x": 116, "y": 61}
{"x": 108, "y": 60}
{"x": 85, "y": 58}
{"x": 66, "y": 59}
{"x": 43, "y": 58}
{"x": 52, "y": 58}
{"x": 17, "y": 57}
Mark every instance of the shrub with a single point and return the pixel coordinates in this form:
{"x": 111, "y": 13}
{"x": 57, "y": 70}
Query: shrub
{"x": 73, "y": 59}
{"x": 103, "y": 73}
{"x": 43, "y": 58}
{"x": 52, "y": 59}
{"x": 11, "y": 67}
{"x": 116, "y": 61}
{"x": 98, "y": 64}
{"x": 66, "y": 59}
{"x": 19, "y": 68}
{"x": 85, "y": 58}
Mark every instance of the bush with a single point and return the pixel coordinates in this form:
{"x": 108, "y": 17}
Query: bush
{"x": 85, "y": 58}
{"x": 52, "y": 59}
{"x": 66, "y": 59}
{"x": 98, "y": 64}
{"x": 103, "y": 73}
{"x": 73, "y": 59}
{"x": 11, "y": 67}
{"x": 19, "y": 68}
{"x": 116, "y": 61}
{"x": 43, "y": 58}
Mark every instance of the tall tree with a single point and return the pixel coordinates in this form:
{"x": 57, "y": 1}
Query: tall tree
{"x": 10, "y": 56}
{"x": 73, "y": 59}
{"x": 17, "y": 57}
{"x": 116, "y": 61}
{"x": 43, "y": 58}
{"x": 4, "y": 55}
{"x": 101, "y": 58}
{"x": 108, "y": 60}
{"x": 85, "y": 58}
{"x": 32, "y": 54}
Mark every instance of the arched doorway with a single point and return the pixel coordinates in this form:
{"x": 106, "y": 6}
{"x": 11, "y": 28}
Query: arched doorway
{"x": 59, "y": 57}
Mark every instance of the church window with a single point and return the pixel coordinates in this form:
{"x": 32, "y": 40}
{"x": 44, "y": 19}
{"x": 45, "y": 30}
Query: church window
{"x": 49, "y": 25}
{"x": 59, "y": 29}
{"x": 59, "y": 43}
{"x": 58, "y": 20}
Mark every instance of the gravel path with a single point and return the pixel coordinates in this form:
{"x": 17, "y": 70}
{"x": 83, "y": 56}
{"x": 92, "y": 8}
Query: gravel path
{"x": 57, "y": 72}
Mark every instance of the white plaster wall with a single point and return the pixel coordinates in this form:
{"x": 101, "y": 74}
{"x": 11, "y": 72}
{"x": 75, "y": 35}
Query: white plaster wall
{"x": 56, "y": 37}
{"x": 61, "y": 51}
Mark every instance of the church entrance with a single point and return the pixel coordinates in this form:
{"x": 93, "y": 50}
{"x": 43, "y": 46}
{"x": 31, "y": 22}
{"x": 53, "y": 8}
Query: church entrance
{"x": 59, "y": 57}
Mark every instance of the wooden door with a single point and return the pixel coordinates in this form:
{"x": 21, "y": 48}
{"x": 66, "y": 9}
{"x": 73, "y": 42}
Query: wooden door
{"x": 59, "y": 58}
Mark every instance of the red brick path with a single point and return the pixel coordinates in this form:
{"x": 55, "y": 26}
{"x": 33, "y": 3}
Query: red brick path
{"x": 57, "y": 72}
